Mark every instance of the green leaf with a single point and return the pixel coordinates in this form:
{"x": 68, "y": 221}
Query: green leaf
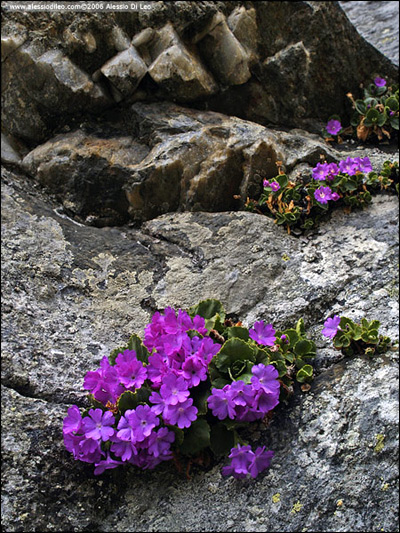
{"x": 392, "y": 103}
{"x": 361, "y": 107}
{"x": 196, "y": 437}
{"x": 381, "y": 119}
{"x": 262, "y": 356}
{"x": 394, "y": 122}
{"x": 300, "y": 327}
{"x": 305, "y": 374}
{"x": 135, "y": 343}
{"x": 130, "y": 400}
{"x": 289, "y": 357}
{"x": 233, "y": 350}
{"x": 374, "y": 324}
{"x": 222, "y": 440}
{"x": 303, "y": 347}
{"x": 238, "y": 332}
{"x": 292, "y": 336}
{"x": 200, "y": 395}
{"x": 208, "y": 309}
{"x": 241, "y": 370}
{"x": 280, "y": 366}
{"x": 372, "y": 115}
{"x": 283, "y": 180}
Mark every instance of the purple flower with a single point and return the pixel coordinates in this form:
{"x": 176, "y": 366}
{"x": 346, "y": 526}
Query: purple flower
{"x": 244, "y": 461}
{"x": 265, "y": 402}
{"x": 82, "y": 450}
{"x": 241, "y": 458}
{"x": 266, "y": 183}
{"x": 199, "y": 324}
{"x": 240, "y": 393}
{"x": 123, "y": 448}
{"x": 131, "y": 372}
{"x": 98, "y": 424}
{"x": 331, "y": 327}
{"x": 335, "y": 196}
{"x": 265, "y": 377}
{"x": 136, "y": 424}
{"x": 333, "y": 127}
{"x": 221, "y": 404}
{"x": 194, "y": 371}
{"x": 333, "y": 171}
{"x": 72, "y": 422}
{"x": 104, "y": 383}
{"x": 379, "y": 82}
{"x": 263, "y": 333}
{"x": 363, "y": 164}
{"x": 348, "y": 166}
{"x": 208, "y": 348}
{"x": 174, "y": 389}
{"x": 260, "y": 461}
{"x": 275, "y": 186}
{"x": 159, "y": 403}
{"x": 323, "y": 194}
{"x": 182, "y": 414}
{"x": 285, "y": 339}
{"x": 105, "y": 464}
{"x": 160, "y": 441}
{"x": 321, "y": 171}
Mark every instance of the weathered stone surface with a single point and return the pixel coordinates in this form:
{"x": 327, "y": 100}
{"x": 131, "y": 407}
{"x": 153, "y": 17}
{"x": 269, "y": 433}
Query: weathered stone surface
{"x": 166, "y": 158}
{"x": 42, "y": 86}
{"x": 214, "y": 55}
{"x": 125, "y": 70}
{"x": 71, "y": 293}
{"x": 87, "y": 170}
{"x": 227, "y": 58}
{"x": 178, "y": 71}
{"x": 378, "y": 23}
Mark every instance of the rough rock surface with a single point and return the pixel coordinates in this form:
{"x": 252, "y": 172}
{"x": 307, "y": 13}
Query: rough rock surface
{"x": 163, "y": 158}
{"x": 378, "y": 23}
{"x": 71, "y": 292}
{"x": 57, "y": 65}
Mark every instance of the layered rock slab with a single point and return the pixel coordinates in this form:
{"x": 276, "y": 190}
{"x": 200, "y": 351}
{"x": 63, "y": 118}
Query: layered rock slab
{"x": 161, "y": 158}
{"x": 71, "y": 293}
{"x": 266, "y": 62}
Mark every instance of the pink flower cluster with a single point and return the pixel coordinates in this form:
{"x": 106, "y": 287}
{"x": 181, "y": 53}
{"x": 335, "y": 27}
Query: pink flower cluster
{"x": 247, "y": 402}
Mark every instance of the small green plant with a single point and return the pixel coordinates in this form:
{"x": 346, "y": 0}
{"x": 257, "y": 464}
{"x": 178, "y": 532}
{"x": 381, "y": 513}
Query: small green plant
{"x": 352, "y": 338}
{"x": 375, "y": 115}
{"x": 186, "y": 391}
{"x": 303, "y": 203}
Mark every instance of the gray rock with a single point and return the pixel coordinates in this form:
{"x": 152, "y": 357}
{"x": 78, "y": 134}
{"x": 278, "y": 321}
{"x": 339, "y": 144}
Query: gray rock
{"x": 71, "y": 293}
{"x": 266, "y": 62}
{"x": 87, "y": 170}
{"x": 125, "y": 70}
{"x": 166, "y": 158}
{"x": 378, "y": 23}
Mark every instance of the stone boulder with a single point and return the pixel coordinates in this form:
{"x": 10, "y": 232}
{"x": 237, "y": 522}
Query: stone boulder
{"x": 286, "y": 63}
{"x": 71, "y": 293}
{"x": 164, "y": 158}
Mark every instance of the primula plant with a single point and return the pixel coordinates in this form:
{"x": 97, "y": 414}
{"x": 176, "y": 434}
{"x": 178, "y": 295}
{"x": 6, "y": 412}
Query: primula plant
{"x": 352, "y": 338}
{"x": 303, "y": 203}
{"x": 186, "y": 390}
{"x": 375, "y": 116}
